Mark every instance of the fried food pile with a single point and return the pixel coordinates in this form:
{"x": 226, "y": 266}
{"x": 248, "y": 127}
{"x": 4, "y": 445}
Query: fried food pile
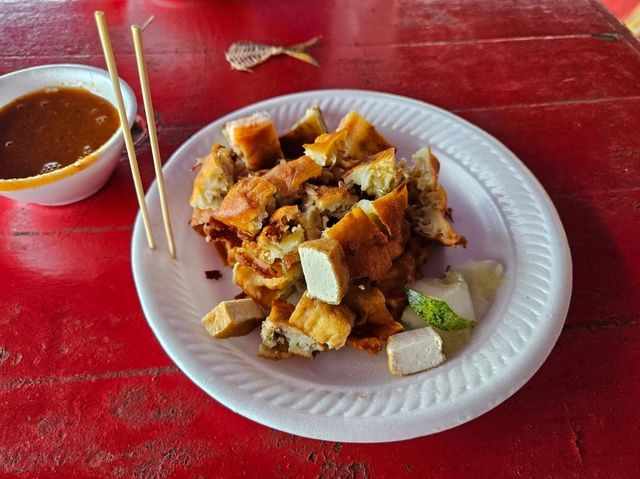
{"x": 322, "y": 229}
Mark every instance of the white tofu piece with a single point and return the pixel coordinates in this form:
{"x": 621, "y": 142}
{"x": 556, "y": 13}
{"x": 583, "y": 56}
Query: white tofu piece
{"x": 413, "y": 351}
{"x": 233, "y": 318}
{"x": 325, "y": 269}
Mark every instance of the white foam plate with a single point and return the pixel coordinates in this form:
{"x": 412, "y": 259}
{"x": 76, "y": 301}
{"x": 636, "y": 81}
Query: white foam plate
{"x": 349, "y": 395}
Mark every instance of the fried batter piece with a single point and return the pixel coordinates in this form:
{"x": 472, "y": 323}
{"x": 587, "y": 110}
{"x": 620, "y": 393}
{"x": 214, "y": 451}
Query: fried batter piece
{"x": 212, "y": 183}
{"x": 255, "y": 140}
{"x": 429, "y": 201}
{"x": 405, "y": 269}
{"x": 247, "y": 205}
{"x": 305, "y": 130}
{"x": 275, "y": 249}
{"x": 365, "y": 246}
{"x": 214, "y": 179}
{"x": 376, "y": 176}
{"x": 334, "y": 201}
{"x": 224, "y": 238}
{"x": 374, "y": 324}
{"x": 388, "y": 213}
{"x": 288, "y": 176}
{"x": 327, "y": 149}
{"x": 362, "y": 139}
{"x": 265, "y": 290}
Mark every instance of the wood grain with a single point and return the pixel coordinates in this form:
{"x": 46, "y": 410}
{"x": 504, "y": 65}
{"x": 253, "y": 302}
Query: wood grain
{"x": 86, "y": 389}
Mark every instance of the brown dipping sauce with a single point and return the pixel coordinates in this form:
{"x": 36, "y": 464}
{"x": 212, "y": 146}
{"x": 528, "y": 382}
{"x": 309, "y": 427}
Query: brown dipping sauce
{"x": 51, "y": 128}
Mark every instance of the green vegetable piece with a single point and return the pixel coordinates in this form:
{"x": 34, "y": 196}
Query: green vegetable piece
{"x": 436, "y": 312}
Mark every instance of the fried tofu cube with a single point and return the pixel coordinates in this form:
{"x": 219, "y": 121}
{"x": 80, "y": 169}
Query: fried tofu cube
{"x": 327, "y": 324}
{"x": 255, "y": 140}
{"x": 325, "y": 269}
{"x": 305, "y": 130}
{"x": 233, "y": 318}
{"x": 413, "y": 351}
{"x": 281, "y": 340}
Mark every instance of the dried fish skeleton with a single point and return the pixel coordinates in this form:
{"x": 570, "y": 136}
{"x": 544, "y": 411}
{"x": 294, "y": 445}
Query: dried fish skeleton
{"x": 244, "y": 55}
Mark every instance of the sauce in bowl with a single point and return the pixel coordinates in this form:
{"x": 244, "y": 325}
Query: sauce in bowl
{"x": 51, "y": 128}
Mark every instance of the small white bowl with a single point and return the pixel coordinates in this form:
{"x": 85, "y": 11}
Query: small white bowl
{"x": 87, "y": 175}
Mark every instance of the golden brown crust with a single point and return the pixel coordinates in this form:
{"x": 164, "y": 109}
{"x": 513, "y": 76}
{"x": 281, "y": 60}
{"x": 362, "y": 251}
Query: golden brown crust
{"x": 288, "y": 176}
{"x": 391, "y": 208}
{"x": 214, "y": 179}
{"x": 284, "y": 215}
{"x": 200, "y": 217}
{"x": 246, "y": 205}
{"x": 365, "y": 247}
{"x": 368, "y": 303}
{"x": 256, "y": 140}
{"x": 375, "y": 323}
{"x": 281, "y": 311}
{"x": 266, "y": 290}
{"x": 306, "y": 130}
{"x": 405, "y": 269}
{"x": 224, "y": 238}
{"x": 333, "y": 198}
{"x": 362, "y": 138}
{"x": 428, "y": 210}
{"x": 326, "y": 323}
{"x": 327, "y": 149}
{"x": 372, "y": 338}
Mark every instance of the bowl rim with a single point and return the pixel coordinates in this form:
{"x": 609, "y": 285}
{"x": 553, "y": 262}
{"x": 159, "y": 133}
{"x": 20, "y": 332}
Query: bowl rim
{"x": 29, "y": 182}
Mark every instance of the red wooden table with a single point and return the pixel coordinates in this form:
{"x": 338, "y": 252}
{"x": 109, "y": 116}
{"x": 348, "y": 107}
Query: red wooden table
{"x": 86, "y": 390}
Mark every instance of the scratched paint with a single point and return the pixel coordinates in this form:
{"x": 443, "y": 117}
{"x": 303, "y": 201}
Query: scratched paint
{"x": 86, "y": 390}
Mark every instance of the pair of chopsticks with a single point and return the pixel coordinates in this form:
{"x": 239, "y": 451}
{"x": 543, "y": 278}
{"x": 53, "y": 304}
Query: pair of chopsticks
{"x": 136, "y": 32}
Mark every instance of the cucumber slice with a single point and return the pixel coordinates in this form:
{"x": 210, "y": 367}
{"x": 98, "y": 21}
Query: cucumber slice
{"x": 437, "y": 312}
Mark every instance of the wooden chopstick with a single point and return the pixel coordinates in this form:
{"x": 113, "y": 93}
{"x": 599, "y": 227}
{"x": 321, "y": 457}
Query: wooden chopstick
{"x": 124, "y": 123}
{"x": 136, "y": 32}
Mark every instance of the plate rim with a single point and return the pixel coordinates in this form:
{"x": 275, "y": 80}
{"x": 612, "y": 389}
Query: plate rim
{"x": 168, "y": 342}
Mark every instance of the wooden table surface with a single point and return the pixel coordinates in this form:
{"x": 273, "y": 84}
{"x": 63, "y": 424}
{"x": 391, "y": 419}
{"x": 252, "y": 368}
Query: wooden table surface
{"x": 87, "y": 391}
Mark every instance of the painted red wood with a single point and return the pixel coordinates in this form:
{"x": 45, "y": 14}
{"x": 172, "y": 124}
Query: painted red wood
{"x": 86, "y": 390}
